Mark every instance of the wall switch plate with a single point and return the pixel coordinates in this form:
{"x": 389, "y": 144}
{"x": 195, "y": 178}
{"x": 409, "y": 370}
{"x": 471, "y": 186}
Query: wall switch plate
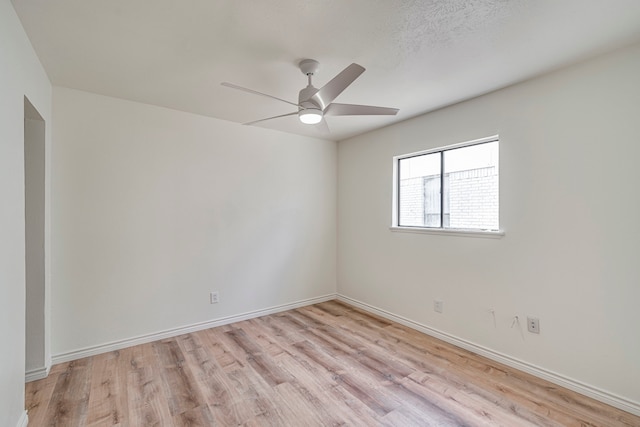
{"x": 438, "y": 306}
{"x": 533, "y": 325}
{"x": 214, "y": 297}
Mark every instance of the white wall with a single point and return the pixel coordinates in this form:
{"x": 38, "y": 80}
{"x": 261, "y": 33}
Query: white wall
{"x": 154, "y": 208}
{"x": 20, "y": 74}
{"x": 569, "y": 175}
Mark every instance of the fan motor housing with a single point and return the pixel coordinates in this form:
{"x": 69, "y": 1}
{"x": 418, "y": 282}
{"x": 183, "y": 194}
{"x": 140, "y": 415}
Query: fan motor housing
{"x": 304, "y": 98}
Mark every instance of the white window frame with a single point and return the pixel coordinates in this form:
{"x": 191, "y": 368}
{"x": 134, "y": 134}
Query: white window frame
{"x": 437, "y": 230}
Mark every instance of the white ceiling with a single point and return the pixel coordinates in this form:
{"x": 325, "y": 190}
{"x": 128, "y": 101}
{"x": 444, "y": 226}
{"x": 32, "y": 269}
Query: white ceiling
{"x": 420, "y": 55}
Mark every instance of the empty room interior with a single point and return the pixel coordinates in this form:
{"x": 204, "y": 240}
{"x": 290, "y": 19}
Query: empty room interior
{"x": 296, "y": 212}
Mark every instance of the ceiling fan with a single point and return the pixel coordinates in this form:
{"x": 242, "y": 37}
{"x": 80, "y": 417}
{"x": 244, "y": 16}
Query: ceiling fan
{"x": 315, "y": 104}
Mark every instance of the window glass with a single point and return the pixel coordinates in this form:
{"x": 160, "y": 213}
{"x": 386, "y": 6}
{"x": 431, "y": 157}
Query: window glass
{"x": 420, "y": 190}
{"x": 471, "y": 174}
{"x": 450, "y": 188}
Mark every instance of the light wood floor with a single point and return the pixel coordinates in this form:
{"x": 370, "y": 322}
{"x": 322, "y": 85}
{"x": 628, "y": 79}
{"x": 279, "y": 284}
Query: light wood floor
{"x": 328, "y": 364}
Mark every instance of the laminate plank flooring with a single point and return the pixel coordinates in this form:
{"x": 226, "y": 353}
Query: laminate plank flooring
{"x": 327, "y": 364}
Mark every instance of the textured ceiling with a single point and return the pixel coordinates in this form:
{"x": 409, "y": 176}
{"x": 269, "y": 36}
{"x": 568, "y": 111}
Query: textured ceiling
{"x": 420, "y": 55}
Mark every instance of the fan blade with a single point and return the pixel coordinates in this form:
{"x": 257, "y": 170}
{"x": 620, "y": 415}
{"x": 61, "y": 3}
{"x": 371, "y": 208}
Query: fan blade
{"x": 358, "y": 110}
{"x": 269, "y": 118}
{"x": 327, "y": 93}
{"x": 255, "y": 92}
{"x": 323, "y": 127}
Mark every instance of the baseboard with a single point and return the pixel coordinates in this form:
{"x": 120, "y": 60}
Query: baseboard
{"x": 577, "y": 386}
{"x": 38, "y": 373}
{"x": 24, "y": 420}
{"x": 169, "y": 333}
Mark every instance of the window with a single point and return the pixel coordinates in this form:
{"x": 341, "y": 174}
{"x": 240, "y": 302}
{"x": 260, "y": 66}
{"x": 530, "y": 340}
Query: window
{"x": 449, "y": 188}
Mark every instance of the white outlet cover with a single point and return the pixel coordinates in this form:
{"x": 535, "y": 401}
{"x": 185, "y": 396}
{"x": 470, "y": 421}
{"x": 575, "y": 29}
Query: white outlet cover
{"x": 438, "y": 306}
{"x": 533, "y": 325}
{"x": 214, "y": 297}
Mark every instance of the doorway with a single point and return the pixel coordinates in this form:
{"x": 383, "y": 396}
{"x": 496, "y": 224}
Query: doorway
{"x": 36, "y": 364}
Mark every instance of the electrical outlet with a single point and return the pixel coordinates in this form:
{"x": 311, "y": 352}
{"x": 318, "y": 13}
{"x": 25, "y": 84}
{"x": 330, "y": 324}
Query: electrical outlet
{"x": 438, "y": 306}
{"x": 214, "y": 297}
{"x": 533, "y": 325}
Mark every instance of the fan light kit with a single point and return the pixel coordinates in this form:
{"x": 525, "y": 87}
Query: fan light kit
{"x": 316, "y": 104}
{"x": 310, "y": 116}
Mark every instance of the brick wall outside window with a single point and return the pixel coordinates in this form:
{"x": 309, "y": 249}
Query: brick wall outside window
{"x": 472, "y": 200}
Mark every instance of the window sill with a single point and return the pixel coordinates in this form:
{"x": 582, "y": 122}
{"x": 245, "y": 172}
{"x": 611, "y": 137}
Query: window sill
{"x": 450, "y": 232}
